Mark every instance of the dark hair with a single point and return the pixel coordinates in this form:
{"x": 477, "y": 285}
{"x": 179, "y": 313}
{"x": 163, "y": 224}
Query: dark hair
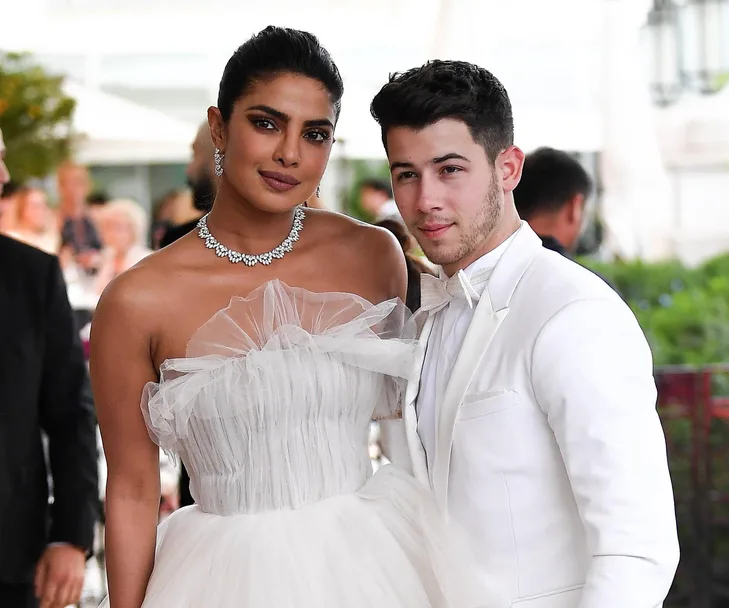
{"x": 97, "y": 198}
{"x": 399, "y": 230}
{"x": 273, "y": 51}
{"x": 415, "y": 266}
{"x": 10, "y": 189}
{"x": 379, "y": 185}
{"x": 550, "y": 179}
{"x": 448, "y": 89}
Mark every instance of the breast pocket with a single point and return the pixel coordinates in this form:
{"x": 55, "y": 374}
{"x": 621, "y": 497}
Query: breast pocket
{"x": 486, "y": 403}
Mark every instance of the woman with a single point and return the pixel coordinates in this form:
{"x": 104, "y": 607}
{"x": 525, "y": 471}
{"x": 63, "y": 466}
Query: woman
{"x": 263, "y": 344}
{"x": 123, "y": 229}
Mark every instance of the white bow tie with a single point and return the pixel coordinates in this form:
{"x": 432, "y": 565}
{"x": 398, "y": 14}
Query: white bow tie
{"x": 436, "y": 293}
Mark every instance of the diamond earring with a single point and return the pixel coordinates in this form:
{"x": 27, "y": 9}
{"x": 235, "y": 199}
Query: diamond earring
{"x": 218, "y": 162}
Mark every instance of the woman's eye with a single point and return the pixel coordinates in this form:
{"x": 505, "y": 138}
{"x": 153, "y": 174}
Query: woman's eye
{"x": 318, "y": 135}
{"x": 264, "y": 123}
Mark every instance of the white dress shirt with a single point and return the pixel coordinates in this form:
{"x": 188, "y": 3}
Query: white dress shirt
{"x": 449, "y": 329}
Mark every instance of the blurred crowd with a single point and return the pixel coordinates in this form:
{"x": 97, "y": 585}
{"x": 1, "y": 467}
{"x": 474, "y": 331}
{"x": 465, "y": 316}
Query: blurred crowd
{"x": 95, "y": 237}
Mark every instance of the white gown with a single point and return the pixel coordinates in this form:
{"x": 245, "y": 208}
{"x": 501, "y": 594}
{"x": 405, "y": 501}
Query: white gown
{"x": 270, "y": 413}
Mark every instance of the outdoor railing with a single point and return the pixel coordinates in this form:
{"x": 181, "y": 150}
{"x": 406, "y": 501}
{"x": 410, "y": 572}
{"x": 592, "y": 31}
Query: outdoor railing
{"x": 694, "y": 407}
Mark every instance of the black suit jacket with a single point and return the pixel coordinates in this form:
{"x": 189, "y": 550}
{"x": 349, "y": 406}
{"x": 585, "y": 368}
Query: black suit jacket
{"x": 44, "y": 388}
{"x": 177, "y": 232}
{"x": 551, "y": 243}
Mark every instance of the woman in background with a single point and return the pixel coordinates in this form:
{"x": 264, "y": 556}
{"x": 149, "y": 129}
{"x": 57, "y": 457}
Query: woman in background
{"x": 123, "y": 228}
{"x": 34, "y": 224}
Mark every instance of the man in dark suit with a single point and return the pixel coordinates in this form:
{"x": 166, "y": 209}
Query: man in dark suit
{"x": 551, "y": 197}
{"x": 200, "y": 171}
{"x": 44, "y": 390}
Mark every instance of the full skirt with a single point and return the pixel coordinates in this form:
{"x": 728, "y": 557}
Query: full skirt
{"x": 385, "y": 546}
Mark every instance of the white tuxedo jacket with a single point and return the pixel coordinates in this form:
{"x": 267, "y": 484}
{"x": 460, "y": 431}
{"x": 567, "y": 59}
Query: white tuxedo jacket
{"x": 549, "y": 450}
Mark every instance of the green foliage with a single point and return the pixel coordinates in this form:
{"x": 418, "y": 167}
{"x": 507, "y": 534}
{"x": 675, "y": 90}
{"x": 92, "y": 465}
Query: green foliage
{"x": 684, "y": 312}
{"x": 35, "y": 117}
{"x": 720, "y": 81}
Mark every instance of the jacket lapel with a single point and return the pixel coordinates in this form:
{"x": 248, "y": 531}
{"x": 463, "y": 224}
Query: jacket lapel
{"x": 484, "y": 325}
{"x": 490, "y": 312}
{"x": 410, "y": 418}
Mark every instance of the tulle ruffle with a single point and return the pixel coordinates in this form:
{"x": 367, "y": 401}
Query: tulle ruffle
{"x": 256, "y": 336}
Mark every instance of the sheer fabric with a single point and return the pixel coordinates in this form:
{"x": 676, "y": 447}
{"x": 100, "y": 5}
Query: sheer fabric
{"x": 270, "y": 413}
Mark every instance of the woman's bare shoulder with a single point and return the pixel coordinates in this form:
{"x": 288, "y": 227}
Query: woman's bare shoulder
{"x": 346, "y": 229}
{"x": 142, "y": 291}
{"x": 370, "y": 252}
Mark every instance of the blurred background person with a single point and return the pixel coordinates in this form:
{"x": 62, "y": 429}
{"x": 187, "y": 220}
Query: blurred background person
{"x": 167, "y": 214}
{"x": 123, "y": 226}
{"x": 80, "y": 241}
{"x": 376, "y": 199}
{"x": 552, "y": 197}
{"x": 415, "y": 265}
{"x": 185, "y": 209}
{"x": 34, "y": 221}
{"x": 95, "y": 204}
{"x": 200, "y": 173}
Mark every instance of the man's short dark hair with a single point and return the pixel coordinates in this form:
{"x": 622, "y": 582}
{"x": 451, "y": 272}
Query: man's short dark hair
{"x": 549, "y": 180}
{"x": 459, "y": 90}
{"x": 378, "y": 185}
{"x": 98, "y": 198}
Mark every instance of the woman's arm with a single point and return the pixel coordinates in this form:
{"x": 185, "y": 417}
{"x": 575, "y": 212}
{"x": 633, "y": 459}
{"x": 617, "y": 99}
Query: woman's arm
{"x": 121, "y": 365}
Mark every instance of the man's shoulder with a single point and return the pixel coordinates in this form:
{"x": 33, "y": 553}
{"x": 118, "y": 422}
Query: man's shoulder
{"x": 554, "y": 281}
{"x": 22, "y": 257}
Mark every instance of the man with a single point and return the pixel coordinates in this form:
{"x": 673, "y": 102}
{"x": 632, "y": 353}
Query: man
{"x": 551, "y": 197}
{"x": 376, "y": 199}
{"x": 200, "y": 171}
{"x": 95, "y": 204}
{"x": 534, "y": 420}
{"x": 43, "y": 389}
{"x": 80, "y": 241}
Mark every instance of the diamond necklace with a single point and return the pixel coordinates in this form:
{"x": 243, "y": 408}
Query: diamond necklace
{"x": 236, "y": 257}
